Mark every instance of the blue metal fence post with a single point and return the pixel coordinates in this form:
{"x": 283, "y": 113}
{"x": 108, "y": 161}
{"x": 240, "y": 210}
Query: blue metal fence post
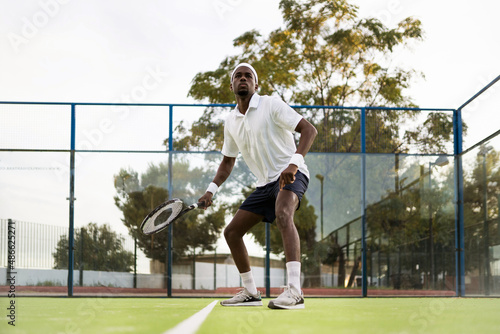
{"x": 268, "y": 260}
{"x": 170, "y": 190}
{"x": 459, "y": 204}
{"x": 71, "y": 198}
{"x": 364, "y": 271}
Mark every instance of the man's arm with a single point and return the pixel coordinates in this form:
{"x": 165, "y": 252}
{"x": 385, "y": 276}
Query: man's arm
{"x": 307, "y": 134}
{"x": 223, "y": 172}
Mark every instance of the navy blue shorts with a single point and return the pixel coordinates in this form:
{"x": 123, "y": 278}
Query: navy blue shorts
{"x": 263, "y": 200}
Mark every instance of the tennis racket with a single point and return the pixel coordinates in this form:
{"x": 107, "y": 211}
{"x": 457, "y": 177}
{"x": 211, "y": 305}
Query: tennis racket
{"x": 164, "y": 214}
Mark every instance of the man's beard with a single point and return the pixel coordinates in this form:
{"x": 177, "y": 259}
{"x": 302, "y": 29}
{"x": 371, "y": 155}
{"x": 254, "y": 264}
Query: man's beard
{"x": 243, "y": 93}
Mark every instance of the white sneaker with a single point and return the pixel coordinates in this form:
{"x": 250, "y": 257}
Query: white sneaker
{"x": 290, "y": 299}
{"x": 243, "y": 298}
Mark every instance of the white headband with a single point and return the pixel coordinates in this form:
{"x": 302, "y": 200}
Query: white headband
{"x": 251, "y": 69}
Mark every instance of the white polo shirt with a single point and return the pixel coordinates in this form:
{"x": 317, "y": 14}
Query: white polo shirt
{"x": 263, "y": 136}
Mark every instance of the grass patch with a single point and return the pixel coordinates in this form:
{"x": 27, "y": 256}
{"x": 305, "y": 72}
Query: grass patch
{"x": 322, "y": 315}
{"x": 369, "y": 315}
{"x": 99, "y": 315}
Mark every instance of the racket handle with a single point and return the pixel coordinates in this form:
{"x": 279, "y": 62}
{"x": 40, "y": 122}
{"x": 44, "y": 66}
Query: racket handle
{"x": 199, "y": 204}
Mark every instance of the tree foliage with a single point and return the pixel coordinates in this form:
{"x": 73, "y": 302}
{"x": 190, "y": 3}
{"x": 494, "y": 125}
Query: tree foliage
{"x": 408, "y": 225}
{"x": 481, "y": 206}
{"x": 96, "y": 248}
{"x": 137, "y": 196}
{"x": 325, "y": 55}
{"x": 328, "y": 57}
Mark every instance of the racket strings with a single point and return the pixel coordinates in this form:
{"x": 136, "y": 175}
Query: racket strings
{"x": 162, "y": 217}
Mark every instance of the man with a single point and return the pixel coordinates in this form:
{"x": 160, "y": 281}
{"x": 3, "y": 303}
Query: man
{"x": 261, "y": 129}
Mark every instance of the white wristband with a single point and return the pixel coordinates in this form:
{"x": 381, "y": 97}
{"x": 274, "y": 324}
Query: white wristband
{"x": 297, "y": 160}
{"x": 213, "y": 188}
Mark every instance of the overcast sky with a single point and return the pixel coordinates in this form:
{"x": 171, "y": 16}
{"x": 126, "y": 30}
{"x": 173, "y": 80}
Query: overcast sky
{"x": 97, "y": 51}
{"x": 149, "y": 51}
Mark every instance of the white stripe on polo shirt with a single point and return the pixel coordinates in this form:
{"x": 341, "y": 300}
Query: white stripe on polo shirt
{"x": 263, "y": 136}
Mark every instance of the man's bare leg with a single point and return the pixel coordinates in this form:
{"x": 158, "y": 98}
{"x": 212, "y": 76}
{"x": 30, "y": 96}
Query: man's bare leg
{"x": 234, "y": 232}
{"x": 292, "y": 298}
{"x": 286, "y": 205}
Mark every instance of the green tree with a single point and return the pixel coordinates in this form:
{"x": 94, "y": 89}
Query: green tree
{"x": 96, "y": 248}
{"x": 137, "y": 196}
{"x": 481, "y": 208}
{"x": 326, "y": 55}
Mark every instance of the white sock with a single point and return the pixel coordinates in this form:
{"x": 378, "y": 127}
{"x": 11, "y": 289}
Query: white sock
{"x": 293, "y": 273}
{"x": 248, "y": 282}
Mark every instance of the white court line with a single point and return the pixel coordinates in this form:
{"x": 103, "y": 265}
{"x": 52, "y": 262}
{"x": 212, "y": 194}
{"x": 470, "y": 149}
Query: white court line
{"x": 193, "y": 323}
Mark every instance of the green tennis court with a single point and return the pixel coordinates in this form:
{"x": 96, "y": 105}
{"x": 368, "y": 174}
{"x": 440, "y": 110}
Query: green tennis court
{"x": 337, "y": 315}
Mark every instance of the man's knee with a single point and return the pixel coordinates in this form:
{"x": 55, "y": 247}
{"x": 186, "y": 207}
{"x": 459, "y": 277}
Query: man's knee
{"x": 284, "y": 219}
{"x": 231, "y": 234}
{"x": 228, "y": 233}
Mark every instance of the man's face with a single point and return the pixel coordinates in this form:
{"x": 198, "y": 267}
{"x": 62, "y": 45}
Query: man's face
{"x": 243, "y": 82}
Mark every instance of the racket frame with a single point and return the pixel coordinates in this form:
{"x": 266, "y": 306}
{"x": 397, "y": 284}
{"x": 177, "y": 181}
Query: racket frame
{"x": 159, "y": 209}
